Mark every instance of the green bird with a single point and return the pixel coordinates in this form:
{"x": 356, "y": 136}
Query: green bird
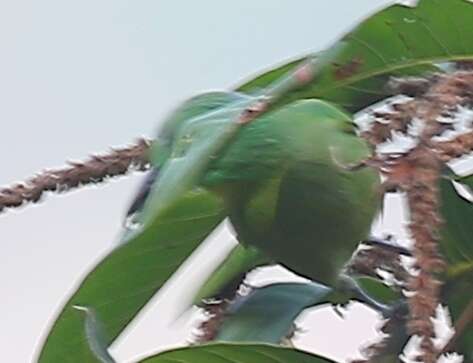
{"x": 279, "y": 177}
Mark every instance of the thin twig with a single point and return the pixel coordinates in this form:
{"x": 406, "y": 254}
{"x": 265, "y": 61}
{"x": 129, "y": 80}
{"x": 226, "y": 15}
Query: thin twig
{"x": 98, "y": 168}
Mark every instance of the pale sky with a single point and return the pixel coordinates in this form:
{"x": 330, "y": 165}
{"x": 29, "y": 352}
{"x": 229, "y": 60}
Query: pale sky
{"x": 79, "y": 76}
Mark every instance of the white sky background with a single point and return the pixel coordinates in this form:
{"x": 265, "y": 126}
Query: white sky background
{"x": 79, "y": 76}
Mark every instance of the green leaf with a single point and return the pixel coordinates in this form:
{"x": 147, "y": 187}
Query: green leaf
{"x": 267, "y": 314}
{"x": 121, "y": 284}
{"x": 397, "y": 41}
{"x": 457, "y": 248}
{"x": 261, "y": 81}
{"x": 235, "y": 353}
{"x": 95, "y": 334}
{"x": 456, "y": 243}
{"x": 468, "y": 181}
{"x": 176, "y": 218}
{"x": 241, "y": 260}
{"x": 379, "y": 291}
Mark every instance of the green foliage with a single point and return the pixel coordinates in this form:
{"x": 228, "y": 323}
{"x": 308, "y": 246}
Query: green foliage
{"x": 457, "y": 247}
{"x": 174, "y": 222}
{"x": 397, "y": 41}
{"x": 231, "y": 353}
{"x": 457, "y": 234}
{"x": 120, "y": 285}
{"x": 267, "y": 314}
{"x": 259, "y": 83}
{"x": 379, "y": 290}
{"x": 196, "y": 143}
{"x": 177, "y": 217}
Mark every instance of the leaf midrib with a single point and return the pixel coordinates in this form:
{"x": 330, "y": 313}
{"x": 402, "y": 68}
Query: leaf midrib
{"x": 392, "y": 68}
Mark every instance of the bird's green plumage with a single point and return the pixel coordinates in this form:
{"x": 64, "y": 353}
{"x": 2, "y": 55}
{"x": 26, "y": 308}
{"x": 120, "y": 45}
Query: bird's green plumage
{"x": 282, "y": 189}
{"x": 285, "y": 194}
{"x": 199, "y": 105}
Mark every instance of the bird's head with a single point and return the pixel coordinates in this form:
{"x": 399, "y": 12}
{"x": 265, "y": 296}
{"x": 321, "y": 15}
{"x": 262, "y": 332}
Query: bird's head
{"x": 189, "y": 139}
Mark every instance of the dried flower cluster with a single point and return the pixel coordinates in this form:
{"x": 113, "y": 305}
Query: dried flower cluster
{"x": 214, "y": 314}
{"x": 373, "y": 256}
{"x": 95, "y": 170}
{"x": 460, "y": 146}
{"x": 417, "y": 173}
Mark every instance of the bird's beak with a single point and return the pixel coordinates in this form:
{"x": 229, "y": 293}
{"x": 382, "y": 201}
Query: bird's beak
{"x": 201, "y": 142}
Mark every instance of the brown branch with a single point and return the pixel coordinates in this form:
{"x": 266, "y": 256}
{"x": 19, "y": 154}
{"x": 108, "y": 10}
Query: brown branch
{"x": 96, "y": 169}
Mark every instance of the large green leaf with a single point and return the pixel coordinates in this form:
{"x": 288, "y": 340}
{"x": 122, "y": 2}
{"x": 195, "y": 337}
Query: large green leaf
{"x": 176, "y": 218}
{"x": 235, "y": 353}
{"x": 457, "y": 233}
{"x": 378, "y": 290}
{"x": 457, "y": 248}
{"x": 396, "y": 41}
{"x": 261, "y": 81}
{"x": 267, "y": 314}
{"x": 120, "y": 285}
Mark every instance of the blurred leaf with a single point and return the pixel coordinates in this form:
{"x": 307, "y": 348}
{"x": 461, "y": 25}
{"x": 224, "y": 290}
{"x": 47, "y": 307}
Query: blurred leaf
{"x": 176, "y": 218}
{"x": 267, "y": 314}
{"x": 121, "y": 284}
{"x": 397, "y": 41}
{"x": 232, "y": 353}
{"x": 197, "y": 142}
{"x": 196, "y": 106}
